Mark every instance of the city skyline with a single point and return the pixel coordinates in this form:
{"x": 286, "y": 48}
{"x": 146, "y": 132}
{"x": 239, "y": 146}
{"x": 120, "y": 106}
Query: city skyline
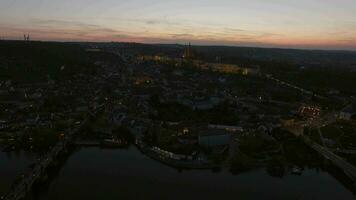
{"x": 316, "y": 24}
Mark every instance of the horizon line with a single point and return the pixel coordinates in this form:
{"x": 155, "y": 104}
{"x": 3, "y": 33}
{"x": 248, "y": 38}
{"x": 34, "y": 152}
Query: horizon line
{"x": 192, "y": 44}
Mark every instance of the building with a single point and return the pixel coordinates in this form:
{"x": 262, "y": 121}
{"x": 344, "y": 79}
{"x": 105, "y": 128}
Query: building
{"x": 348, "y": 112}
{"x": 214, "y": 137}
{"x": 199, "y": 103}
{"x": 226, "y": 128}
{"x": 309, "y": 111}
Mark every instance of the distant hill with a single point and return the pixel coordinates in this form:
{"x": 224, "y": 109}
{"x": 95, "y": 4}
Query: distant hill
{"x": 316, "y": 70}
{"x": 307, "y": 58}
{"x": 252, "y": 55}
{"x": 34, "y": 61}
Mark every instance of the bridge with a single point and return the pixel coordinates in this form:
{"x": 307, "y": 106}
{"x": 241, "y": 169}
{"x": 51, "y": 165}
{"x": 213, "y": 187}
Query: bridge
{"x": 348, "y": 169}
{"x": 20, "y": 189}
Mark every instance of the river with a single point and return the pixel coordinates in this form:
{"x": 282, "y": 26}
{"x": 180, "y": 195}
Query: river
{"x": 94, "y": 173}
{"x": 12, "y": 164}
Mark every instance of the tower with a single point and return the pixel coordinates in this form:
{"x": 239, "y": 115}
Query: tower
{"x": 188, "y": 54}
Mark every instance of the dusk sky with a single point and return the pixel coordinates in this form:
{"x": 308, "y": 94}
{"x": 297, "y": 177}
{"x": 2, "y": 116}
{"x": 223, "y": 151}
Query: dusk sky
{"x": 322, "y": 24}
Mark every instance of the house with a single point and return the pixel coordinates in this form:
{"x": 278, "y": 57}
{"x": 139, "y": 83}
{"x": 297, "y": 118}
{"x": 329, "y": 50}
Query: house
{"x": 309, "y": 111}
{"x": 118, "y": 118}
{"x": 214, "y": 137}
{"x": 82, "y": 109}
{"x": 348, "y": 112}
{"x": 199, "y": 103}
{"x": 227, "y": 128}
{"x": 264, "y": 131}
{"x": 3, "y": 124}
{"x": 207, "y": 104}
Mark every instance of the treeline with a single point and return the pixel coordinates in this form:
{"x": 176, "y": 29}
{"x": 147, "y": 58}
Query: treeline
{"x": 220, "y": 114}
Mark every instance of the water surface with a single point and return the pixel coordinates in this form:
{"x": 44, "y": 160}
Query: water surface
{"x": 94, "y": 173}
{"x": 12, "y": 164}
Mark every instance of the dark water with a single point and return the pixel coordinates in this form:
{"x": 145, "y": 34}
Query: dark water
{"x": 12, "y": 164}
{"x": 93, "y": 173}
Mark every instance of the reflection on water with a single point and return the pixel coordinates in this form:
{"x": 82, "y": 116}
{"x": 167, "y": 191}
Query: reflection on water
{"x": 94, "y": 173}
{"x": 12, "y": 164}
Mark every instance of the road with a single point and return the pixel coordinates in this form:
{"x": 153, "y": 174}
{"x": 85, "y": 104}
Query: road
{"x": 305, "y": 91}
{"x": 348, "y": 168}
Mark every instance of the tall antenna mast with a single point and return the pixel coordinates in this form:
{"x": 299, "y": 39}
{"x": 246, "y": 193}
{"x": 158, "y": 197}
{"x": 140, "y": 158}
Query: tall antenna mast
{"x": 26, "y": 37}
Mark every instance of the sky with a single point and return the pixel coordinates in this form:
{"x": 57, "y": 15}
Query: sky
{"x": 310, "y": 24}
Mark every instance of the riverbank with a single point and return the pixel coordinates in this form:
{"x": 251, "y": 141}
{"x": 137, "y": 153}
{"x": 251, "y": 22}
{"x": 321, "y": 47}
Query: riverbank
{"x": 180, "y": 164}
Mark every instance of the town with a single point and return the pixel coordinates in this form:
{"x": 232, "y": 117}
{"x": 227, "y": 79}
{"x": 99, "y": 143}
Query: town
{"x": 177, "y": 104}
